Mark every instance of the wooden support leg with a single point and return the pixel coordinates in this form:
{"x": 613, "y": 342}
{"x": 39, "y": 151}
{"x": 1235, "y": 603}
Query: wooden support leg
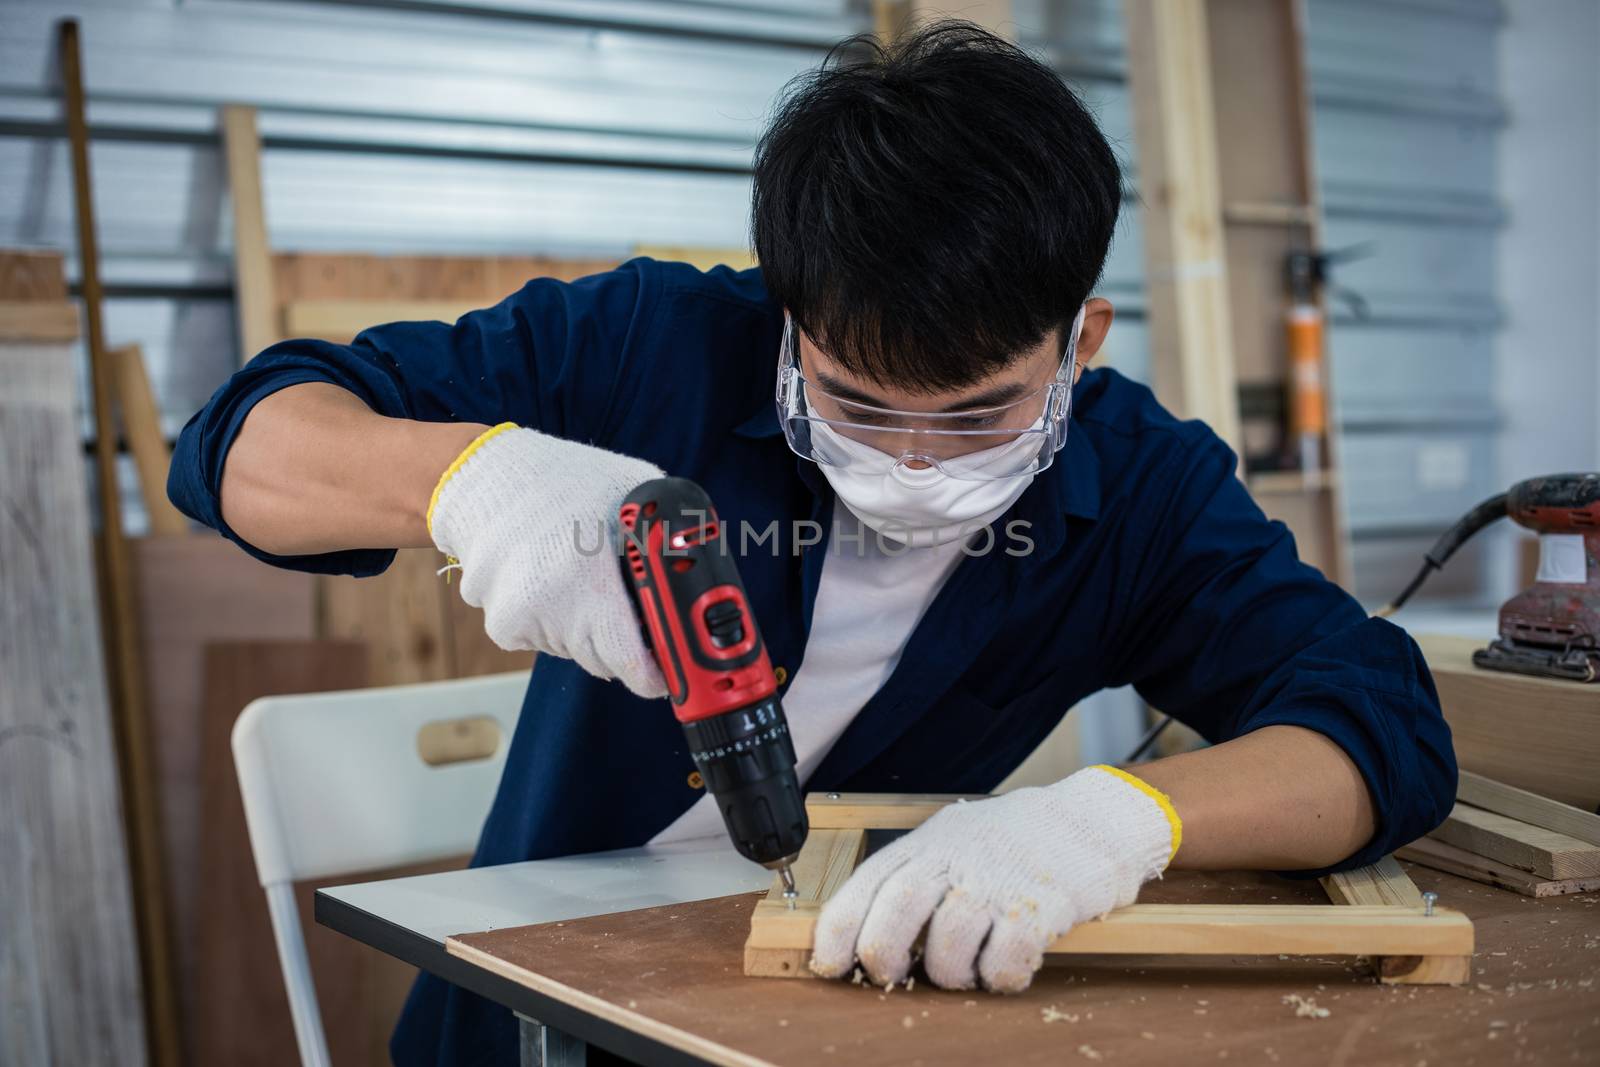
{"x": 1424, "y": 970}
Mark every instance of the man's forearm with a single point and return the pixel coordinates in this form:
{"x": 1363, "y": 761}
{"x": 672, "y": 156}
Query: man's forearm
{"x": 313, "y": 469}
{"x": 1280, "y": 798}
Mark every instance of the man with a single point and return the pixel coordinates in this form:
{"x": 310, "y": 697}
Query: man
{"x": 930, "y": 224}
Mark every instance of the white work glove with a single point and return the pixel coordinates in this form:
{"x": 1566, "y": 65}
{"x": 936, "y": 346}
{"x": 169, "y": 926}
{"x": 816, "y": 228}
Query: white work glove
{"x": 514, "y": 509}
{"x": 999, "y": 879}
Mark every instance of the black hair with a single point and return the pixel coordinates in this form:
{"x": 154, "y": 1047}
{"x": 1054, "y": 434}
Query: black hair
{"x": 931, "y": 209}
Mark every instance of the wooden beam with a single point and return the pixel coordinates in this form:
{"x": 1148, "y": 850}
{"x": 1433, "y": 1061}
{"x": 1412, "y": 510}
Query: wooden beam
{"x": 1458, "y": 861}
{"x": 29, "y": 320}
{"x": 254, "y": 302}
{"x": 878, "y": 811}
{"x": 1538, "y": 734}
{"x": 826, "y": 862}
{"x": 1186, "y": 282}
{"x": 702, "y": 258}
{"x": 33, "y": 275}
{"x": 141, "y": 806}
{"x": 1207, "y": 930}
{"x": 1531, "y": 808}
{"x": 1546, "y": 853}
{"x": 340, "y": 320}
{"x": 141, "y": 425}
{"x": 1384, "y": 882}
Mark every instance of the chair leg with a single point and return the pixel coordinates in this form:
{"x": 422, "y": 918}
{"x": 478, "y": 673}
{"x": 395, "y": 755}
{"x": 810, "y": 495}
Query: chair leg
{"x": 297, "y": 975}
{"x": 545, "y": 1046}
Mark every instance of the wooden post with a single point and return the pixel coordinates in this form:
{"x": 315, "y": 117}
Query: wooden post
{"x": 69, "y": 965}
{"x": 1191, "y": 329}
{"x": 141, "y": 425}
{"x": 254, "y": 302}
{"x": 140, "y": 806}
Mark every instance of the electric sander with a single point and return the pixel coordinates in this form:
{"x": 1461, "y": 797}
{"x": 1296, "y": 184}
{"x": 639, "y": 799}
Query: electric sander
{"x": 698, "y": 623}
{"x": 1551, "y": 629}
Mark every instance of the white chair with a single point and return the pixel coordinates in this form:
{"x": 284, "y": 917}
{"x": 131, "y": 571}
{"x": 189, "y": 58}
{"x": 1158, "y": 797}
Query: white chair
{"x": 341, "y": 783}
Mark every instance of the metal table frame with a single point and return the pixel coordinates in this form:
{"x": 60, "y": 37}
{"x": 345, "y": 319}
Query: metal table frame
{"x": 552, "y": 1032}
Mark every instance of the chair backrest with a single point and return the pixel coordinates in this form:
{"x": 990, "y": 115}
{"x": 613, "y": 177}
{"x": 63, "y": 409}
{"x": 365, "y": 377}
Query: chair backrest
{"x": 341, "y": 783}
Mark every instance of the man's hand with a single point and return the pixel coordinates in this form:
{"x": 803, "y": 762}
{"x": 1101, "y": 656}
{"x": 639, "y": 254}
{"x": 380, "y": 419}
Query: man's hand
{"x": 532, "y": 520}
{"x": 995, "y": 881}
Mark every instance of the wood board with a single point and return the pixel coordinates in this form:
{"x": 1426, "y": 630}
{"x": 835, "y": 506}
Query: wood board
{"x": 1376, "y": 911}
{"x": 1542, "y": 852}
{"x": 1538, "y": 734}
{"x": 194, "y": 589}
{"x": 1531, "y": 808}
{"x": 1458, "y": 861}
{"x": 69, "y": 964}
{"x": 653, "y": 971}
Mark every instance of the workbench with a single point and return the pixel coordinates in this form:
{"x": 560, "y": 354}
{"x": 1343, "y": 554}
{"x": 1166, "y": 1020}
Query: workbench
{"x": 639, "y": 952}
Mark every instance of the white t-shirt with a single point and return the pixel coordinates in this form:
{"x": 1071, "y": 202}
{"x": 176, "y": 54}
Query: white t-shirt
{"x": 868, "y": 603}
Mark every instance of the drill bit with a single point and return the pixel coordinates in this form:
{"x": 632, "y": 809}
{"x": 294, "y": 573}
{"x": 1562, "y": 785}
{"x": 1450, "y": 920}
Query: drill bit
{"x": 789, "y": 894}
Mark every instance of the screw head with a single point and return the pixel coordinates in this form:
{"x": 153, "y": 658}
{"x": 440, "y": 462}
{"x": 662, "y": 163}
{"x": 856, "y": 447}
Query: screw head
{"x": 833, "y": 796}
{"x": 1428, "y": 900}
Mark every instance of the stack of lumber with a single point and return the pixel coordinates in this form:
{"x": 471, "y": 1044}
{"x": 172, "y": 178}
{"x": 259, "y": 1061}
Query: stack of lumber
{"x": 1511, "y": 838}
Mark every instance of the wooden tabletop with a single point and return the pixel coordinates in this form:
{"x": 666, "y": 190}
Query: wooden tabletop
{"x": 673, "y": 975}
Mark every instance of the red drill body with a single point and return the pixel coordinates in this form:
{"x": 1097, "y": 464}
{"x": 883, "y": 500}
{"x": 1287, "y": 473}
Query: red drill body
{"x": 720, "y": 681}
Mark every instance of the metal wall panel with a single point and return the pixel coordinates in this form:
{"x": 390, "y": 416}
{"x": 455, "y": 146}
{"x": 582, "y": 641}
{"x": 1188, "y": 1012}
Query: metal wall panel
{"x": 587, "y": 126}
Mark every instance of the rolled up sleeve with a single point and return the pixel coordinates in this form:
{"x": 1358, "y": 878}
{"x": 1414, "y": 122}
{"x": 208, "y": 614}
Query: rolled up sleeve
{"x": 551, "y": 356}
{"x": 1236, "y": 633}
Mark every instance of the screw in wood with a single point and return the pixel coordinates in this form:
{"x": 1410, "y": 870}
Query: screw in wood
{"x": 1428, "y": 901}
{"x": 833, "y": 796}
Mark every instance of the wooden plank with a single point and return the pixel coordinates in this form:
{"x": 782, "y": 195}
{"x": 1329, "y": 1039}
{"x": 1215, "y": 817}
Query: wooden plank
{"x": 34, "y": 275}
{"x": 340, "y": 320}
{"x": 118, "y": 619}
{"x": 69, "y": 965}
{"x": 1384, "y": 882}
{"x": 1127, "y": 1009}
{"x": 193, "y": 589}
{"x": 141, "y": 426}
{"x": 1531, "y": 808}
{"x": 701, "y": 258}
{"x": 254, "y": 302}
{"x": 877, "y": 811}
{"x": 1546, "y": 853}
{"x": 826, "y": 861}
{"x": 1538, "y": 734}
{"x": 1458, "y": 861}
{"x": 1207, "y": 930}
{"x": 26, "y": 320}
{"x": 1191, "y": 328}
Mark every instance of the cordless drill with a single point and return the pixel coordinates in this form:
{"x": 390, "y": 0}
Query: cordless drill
{"x": 719, "y": 678}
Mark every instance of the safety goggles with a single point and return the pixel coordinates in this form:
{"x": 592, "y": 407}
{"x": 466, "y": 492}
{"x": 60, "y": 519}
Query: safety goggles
{"x": 977, "y": 444}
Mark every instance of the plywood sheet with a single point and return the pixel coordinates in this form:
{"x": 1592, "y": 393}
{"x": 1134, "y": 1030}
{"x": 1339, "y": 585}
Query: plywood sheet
{"x": 656, "y": 970}
{"x": 69, "y": 967}
{"x": 193, "y": 589}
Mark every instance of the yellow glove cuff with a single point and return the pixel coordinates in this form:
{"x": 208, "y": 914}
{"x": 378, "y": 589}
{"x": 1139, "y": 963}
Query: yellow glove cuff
{"x": 1162, "y": 800}
{"x": 456, "y": 464}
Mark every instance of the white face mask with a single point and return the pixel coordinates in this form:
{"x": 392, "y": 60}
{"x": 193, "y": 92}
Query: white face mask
{"x": 922, "y": 508}
{"x": 926, "y": 507}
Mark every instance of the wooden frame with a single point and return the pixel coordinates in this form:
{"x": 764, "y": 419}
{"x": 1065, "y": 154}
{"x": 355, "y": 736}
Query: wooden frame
{"x": 1375, "y": 911}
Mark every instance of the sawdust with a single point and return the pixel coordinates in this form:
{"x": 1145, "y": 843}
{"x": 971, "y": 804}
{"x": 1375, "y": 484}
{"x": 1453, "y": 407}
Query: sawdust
{"x": 1306, "y": 1007}
{"x": 1089, "y": 1052}
{"x": 1052, "y": 1015}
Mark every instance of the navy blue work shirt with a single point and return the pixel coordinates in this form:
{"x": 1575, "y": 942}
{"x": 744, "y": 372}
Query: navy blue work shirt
{"x": 1151, "y": 566}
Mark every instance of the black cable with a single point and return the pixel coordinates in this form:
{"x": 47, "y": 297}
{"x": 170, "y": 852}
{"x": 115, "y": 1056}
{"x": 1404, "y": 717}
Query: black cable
{"x": 1452, "y": 539}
